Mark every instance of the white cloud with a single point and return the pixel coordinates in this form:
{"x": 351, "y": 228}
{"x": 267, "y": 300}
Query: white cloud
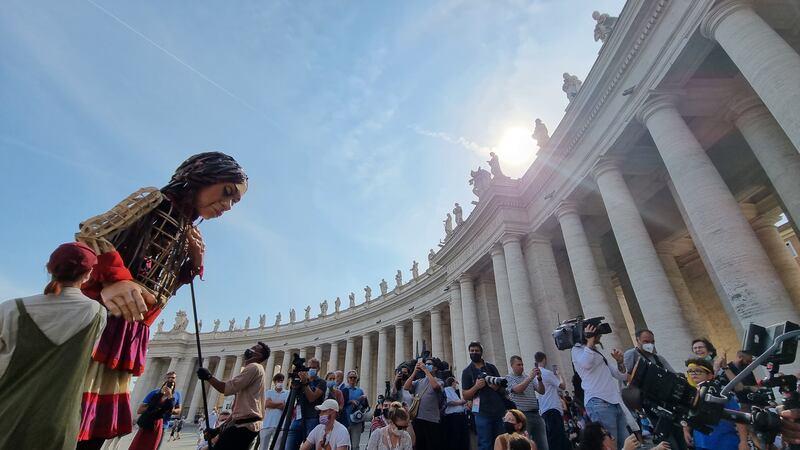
{"x": 481, "y": 150}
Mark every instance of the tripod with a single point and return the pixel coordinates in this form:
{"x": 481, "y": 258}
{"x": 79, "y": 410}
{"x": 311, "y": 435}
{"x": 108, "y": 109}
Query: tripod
{"x": 294, "y": 390}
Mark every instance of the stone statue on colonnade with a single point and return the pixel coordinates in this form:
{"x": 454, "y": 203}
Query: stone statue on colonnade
{"x": 571, "y": 86}
{"x": 262, "y": 320}
{"x": 367, "y": 294}
{"x": 308, "y": 312}
{"x": 448, "y": 226}
{"x": 199, "y": 325}
{"x": 247, "y": 323}
{"x": 160, "y": 326}
{"x": 479, "y": 180}
{"x": 398, "y": 278}
{"x": 337, "y": 305}
{"x": 216, "y": 325}
{"x": 540, "y": 133}
{"x": 459, "y": 214}
{"x": 384, "y": 286}
{"x": 278, "y": 319}
{"x": 231, "y": 324}
{"x": 323, "y": 308}
{"x": 415, "y": 270}
{"x": 352, "y": 298}
{"x": 604, "y": 27}
{"x": 494, "y": 166}
{"x": 181, "y": 321}
{"x": 292, "y": 315}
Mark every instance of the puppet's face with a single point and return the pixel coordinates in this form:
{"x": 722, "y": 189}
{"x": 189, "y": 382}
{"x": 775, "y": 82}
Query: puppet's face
{"x": 212, "y": 201}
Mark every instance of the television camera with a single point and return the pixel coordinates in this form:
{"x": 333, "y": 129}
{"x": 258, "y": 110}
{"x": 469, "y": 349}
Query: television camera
{"x": 573, "y": 331}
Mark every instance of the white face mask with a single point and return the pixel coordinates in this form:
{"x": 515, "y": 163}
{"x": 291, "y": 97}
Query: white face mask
{"x": 649, "y": 348}
{"x": 279, "y": 386}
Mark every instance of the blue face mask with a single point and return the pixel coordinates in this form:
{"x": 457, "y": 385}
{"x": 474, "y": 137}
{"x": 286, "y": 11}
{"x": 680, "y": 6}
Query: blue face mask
{"x": 312, "y": 373}
{"x": 429, "y": 367}
{"x": 331, "y": 384}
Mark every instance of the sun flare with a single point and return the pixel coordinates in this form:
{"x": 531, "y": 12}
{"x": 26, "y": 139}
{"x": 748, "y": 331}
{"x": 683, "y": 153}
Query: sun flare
{"x": 515, "y": 148}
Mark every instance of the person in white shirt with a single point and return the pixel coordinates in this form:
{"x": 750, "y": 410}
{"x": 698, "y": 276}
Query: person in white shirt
{"x": 274, "y": 401}
{"x": 600, "y": 382}
{"x": 329, "y": 434}
{"x": 550, "y": 406}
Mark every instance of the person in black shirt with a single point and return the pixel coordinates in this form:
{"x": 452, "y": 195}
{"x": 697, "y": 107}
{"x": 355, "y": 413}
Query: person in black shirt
{"x": 488, "y": 407}
{"x": 312, "y": 394}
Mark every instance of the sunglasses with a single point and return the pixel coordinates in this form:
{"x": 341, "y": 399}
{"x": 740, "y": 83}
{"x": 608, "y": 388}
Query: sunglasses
{"x": 351, "y": 378}
{"x": 401, "y": 428}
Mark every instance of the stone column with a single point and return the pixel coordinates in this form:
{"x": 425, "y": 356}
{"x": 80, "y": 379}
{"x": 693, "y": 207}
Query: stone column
{"x": 781, "y": 258}
{"x": 416, "y": 335}
{"x": 145, "y": 382}
{"x": 381, "y": 372}
{"x": 437, "y": 346}
{"x": 770, "y": 65}
{"x": 591, "y": 289}
{"x": 287, "y": 362}
{"x": 737, "y": 264}
{"x": 333, "y": 361}
{"x": 318, "y": 355}
{"x": 772, "y": 148}
{"x": 666, "y": 253}
{"x": 400, "y": 352}
{"x": 365, "y": 371}
{"x": 647, "y": 276}
{"x": 350, "y": 355}
{"x": 303, "y": 353}
{"x": 469, "y": 309}
{"x": 457, "y": 328}
{"x": 219, "y": 373}
{"x": 504, "y": 305}
{"x": 173, "y": 366}
{"x": 197, "y": 401}
{"x": 269, "y": 369}
{"x": 548, "y": 296}
{"x": 527, "y": 327}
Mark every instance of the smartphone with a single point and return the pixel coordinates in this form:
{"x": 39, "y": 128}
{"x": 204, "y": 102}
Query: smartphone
{"x": 555, "y": 369}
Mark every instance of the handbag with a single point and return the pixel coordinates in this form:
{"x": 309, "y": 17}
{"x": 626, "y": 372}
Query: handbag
{"x": 415, "y": 402}
{"x": 147, "y": 419}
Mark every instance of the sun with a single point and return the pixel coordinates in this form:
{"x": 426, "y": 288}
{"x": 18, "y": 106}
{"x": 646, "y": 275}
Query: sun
{"x": 515, "y": 149}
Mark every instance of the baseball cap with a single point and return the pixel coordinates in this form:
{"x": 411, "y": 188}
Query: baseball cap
{"x": 328, "y": 405}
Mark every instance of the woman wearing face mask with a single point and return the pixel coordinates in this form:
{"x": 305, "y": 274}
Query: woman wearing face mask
{"x": 454, "y": 421}
{"x": 333, "y": 391}
{"x": 515, "y": 425}
{"x": 394, "y": 435}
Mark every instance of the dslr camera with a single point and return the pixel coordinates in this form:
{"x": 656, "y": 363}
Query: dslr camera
{"x": 494, "y": 381}
{"x": 572, "y": 331}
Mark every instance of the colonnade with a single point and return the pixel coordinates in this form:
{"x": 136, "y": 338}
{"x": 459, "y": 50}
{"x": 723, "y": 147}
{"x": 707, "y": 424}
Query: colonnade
{"x": 513, "y": 293}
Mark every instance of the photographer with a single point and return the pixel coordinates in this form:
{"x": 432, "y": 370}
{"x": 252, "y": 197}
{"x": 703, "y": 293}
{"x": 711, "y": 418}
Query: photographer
{"x": 155, "y": 412}
{"x": 522, "y": 390}
{"x": 398, "y": 393}
{"x": 488, "y": 406}
{"x": 311, "y": 394}
{"x": 600, "y": 383}
{"x": 725, "y": 435}
{"x": 248, "y": 407}
{"x": 424, "y": 384}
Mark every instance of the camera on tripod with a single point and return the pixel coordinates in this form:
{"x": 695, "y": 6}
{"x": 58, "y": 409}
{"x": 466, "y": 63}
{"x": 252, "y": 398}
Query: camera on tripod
{"x": 298, "y": 365}
{"x": 573, "y": 331}
{"x": 494, "y": 381}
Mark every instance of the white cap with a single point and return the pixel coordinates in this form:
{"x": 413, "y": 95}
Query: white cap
{"x": 328, "y": 405}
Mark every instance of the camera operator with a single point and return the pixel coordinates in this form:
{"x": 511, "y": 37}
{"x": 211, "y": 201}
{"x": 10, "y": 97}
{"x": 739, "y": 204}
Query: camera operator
{"x": 248, "y": 407}
{"x": 488, "y": 406}
{"x": 602, "y": 397}
{"x": 311, "y": 394}
{"x": 725, "y": 435}
{"x": 424, "y": 384}
{"x": 645, "y": 348}
{"x": 522, "y": 390}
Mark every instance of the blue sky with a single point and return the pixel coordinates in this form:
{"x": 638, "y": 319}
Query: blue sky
{"x": 357, "y": 122}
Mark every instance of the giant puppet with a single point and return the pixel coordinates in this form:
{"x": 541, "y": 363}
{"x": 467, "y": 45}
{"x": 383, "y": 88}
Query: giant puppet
{"x": 148, "y": 246}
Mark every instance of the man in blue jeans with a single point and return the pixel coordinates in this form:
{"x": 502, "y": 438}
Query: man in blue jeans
{"x": 600, "y": 382}
{"x": 487, "y": 401}
{"x": 306, "y": 416}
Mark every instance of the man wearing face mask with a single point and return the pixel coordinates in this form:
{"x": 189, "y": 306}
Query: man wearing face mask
{"x": 645, "y": 348}
{"x": 329, "y": 434}
{"x": 424, "y": 383}
{"x": 306, "y": 416}
{"x": 274, "y": 401}
{"x": 488, "y": 407}
{"x": 248, "y": 408}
